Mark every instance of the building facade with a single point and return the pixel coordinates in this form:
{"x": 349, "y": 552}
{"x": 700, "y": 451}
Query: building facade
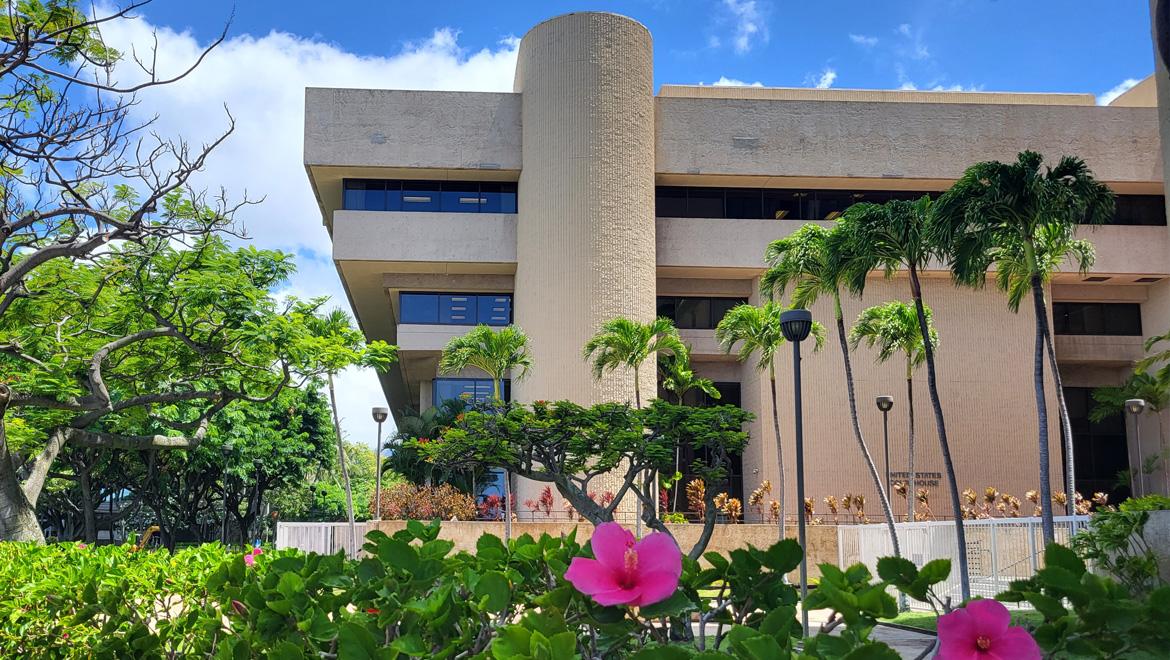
{"x": 583, "y": 195}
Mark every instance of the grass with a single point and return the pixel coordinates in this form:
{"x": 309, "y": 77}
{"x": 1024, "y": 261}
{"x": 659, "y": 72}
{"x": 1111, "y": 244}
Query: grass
{"x": 929, "y": 620}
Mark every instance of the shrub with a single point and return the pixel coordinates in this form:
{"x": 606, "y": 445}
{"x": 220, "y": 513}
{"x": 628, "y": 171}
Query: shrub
{"x": 412, "y": 502}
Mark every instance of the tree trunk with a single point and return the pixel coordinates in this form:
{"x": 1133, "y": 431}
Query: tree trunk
{"x": 637, "y": 500}
{"x": 873, "y": 473}
{"x": 779, "y": 452}
{"x": 344, "y": 470}
{"x": 18, "y": 517}
{"x": 944, "y": 444}
{"x": 1070, "y": 477}
{"x": 88, "y": 506}
{"x": 507, "y": 507}
{"x": 912, "y": 484}
{"x": 1046, "y": 523}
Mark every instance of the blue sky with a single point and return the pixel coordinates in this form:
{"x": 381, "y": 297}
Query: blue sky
{"x": 274, "y": 50}
{"x": 1087, "y": 46}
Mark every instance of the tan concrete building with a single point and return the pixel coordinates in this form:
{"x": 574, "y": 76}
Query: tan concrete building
{"x": 582, "y": 195}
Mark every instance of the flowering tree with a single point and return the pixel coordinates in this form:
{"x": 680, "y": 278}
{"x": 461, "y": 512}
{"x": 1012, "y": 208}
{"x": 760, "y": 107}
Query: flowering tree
{"x": 568, "y": 447}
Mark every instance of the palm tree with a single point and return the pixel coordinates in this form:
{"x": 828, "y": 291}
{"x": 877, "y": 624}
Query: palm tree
{"x": 677, "y": 377}
{"x": 1054, "y": 246}
{"x": 620, "y": 342}
{"x": 1026, "y": 217}
{"x": 1155, "y": 391}
{"x": 495, "y": 352}
{"x": 899, "y": 234}
{"x": 814, "y": 263}
{"x": 893, "y": 328}
{"x": 414, "y": 425}
{"x": 757, "y": 330}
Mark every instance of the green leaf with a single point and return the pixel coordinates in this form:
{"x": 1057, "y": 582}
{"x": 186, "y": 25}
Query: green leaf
{"x": 512, "y": 642}
{"x": 1050, "y": 607}
{"x": 495, "y": 588}
{"x": 354, "y": 642}
{"x": 935, "y": 571}
{"x": 563, "y": 645}
{"x": 675, "y": 605}
{"x": 873, "y": 651}
{"x": 399, "y": 554}
{"x": 897, "y": 571}
{"x": 411, "y": 644}
{"x": 784, "y": 556}
{"x": 1063, "y": 557}
{"x": 665, "y": 653}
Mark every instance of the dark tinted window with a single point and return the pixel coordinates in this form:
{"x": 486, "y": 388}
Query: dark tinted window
{"x": 456, "y": 308}
{"x": 429, "y": 196}
{"x": 744, "y": 203}
{"x": 695, "y": 312}
{"x": 477, "y": 390}
{"x": 1140, "y": 210}
{"x": 1077, "y": 318}
{"x": 705, "y": 203}
{"x": 782, "y": 204}
{"x": 671, "y": 202}
{"x": 418, "y": 308}
{"x": 1100, "y": 449}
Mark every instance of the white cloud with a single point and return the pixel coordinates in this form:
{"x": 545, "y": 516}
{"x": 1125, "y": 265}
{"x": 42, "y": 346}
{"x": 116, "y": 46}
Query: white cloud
{"x": 908, "y": 86}
{"x": 955, "y": 88}
{"x": 1111, "y": 95}
{"x": 724, "y": 81}
{"x": 262, "y": 81}
{"x": 823, "y": 81}
{"x": 916, "y": 48}
{"x": 862, "y": 40}
{"x": 750, "y": 23}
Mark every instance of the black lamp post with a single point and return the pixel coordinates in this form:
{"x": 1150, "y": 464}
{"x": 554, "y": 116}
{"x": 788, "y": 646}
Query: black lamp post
{"x": 258, "y": 464}
{"x": 313, "y": 498}
{"x": 796, "y": 324}
{"x": 1136, "y": 407}
{"x": 227, "y": 454}
{"x": 885, "y": 403}
{"x": 380, "y": 415}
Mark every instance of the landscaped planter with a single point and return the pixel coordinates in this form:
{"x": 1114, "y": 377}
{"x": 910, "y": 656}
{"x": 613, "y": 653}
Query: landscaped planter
{"x": 822, "y": 539}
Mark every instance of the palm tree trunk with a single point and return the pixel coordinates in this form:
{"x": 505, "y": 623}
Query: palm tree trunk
{"x": 779, "y": 451}
{"x": 912, "y": 487}
{"x": 1046, "y": 523}
{"x": 877, "y": 480}
{"x": 344, "y": 470}
{"x": 638, "y": 500}
{"x": 948, "y": 464}
{"x": 507, "y": 477}
{"x": 1070, "y": 477}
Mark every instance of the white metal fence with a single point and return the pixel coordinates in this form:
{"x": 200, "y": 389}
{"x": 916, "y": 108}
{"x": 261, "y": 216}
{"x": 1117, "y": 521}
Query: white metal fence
{"x": 322, "y": 538}
{"x": 999, "y": 550}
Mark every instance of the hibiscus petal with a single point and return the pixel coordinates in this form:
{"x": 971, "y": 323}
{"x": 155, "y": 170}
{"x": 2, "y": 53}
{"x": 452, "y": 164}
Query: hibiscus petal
{"x": 659, "y": 553}
{"x": 990, "y": 617}
{"x": 1014, "y": 644}
{"x": 610, "y": 542}
{"x": 656, "y": 586}
{"x": 956, "y": 636}
{"x": 619, "y": 597}
{"x": 591, "y": 577}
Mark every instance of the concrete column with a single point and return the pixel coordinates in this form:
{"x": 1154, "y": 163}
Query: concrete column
{"x": 585, "y": 248}
{"x": 585, "y": 235}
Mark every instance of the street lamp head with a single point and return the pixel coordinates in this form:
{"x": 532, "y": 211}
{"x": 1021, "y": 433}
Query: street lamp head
{"x": 1135, "y": 406}
{"x": 258, "y": 464}
{"x": 227, "y": 450}
{"x": 380, "y": 414}
{"x": 796, "y": 324}
{"x": 885, "y": 403}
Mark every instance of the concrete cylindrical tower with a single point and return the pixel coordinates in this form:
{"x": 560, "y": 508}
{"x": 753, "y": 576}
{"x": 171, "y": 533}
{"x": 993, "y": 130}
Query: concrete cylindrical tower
{"x": 585, "y": 246}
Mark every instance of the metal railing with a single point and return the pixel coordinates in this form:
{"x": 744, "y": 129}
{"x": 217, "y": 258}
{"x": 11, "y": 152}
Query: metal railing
{"x": 999, "y": 550}
{"x": 319, "y": 537}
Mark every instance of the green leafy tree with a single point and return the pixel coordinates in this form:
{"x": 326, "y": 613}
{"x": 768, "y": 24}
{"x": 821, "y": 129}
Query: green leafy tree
{"x": 757, "y": 332}
{"x": 1022, "y": 217}
{"x": 496, "y": 353}
{"x": 334, "y": 344}
{"x": 569, "y": 446}
{"x": 414, "y": 425}
{"x": 813, "y": 263}
{"x": 622, "y": 343}
{"x": 890, "y": 236}
{"x": 893, "y": 328}
{"x": 140, "y": 349}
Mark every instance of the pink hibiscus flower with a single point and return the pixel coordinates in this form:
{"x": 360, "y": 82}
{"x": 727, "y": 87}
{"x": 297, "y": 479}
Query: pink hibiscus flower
{"x": 250, "y": 558}
{"x": 627, "y": 571}
{"x": 982, "y": 631}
